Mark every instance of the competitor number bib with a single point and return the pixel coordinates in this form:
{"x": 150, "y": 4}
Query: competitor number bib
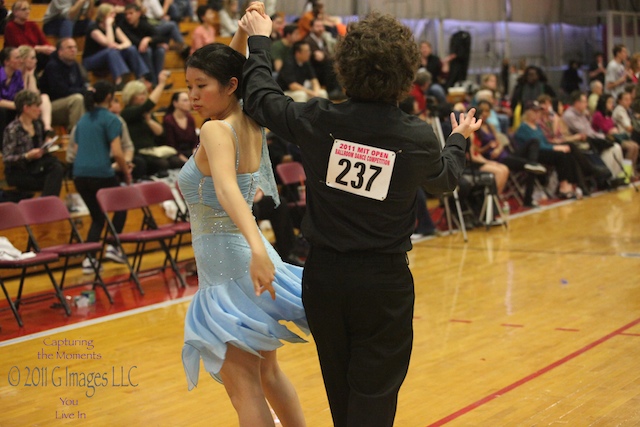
{"x": 360, "y": 169}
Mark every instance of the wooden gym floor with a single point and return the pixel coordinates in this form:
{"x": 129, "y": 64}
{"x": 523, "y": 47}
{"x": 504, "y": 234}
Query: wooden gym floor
{"x": 537, "y": 325}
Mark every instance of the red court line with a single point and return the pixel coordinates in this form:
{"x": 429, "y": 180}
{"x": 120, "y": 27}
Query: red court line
{"x": 533, "y": 376}
{"x": 567, "y": 329}
{"x": 460, "y": 321}
{"x": 512, "y": 325}
{"x": 629, "y": 334}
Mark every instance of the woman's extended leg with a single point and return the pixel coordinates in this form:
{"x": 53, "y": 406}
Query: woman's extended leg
{"x": 241, "y": 376}
{"x": 280, "y": 392}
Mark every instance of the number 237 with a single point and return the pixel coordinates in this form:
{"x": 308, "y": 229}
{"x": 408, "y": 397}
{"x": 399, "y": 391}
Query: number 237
{"x": 361, "y": 169}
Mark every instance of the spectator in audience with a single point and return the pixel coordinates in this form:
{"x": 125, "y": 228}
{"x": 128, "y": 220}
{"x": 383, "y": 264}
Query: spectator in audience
{"x": 64, "y": 81}
{"x": 157, "y": 16}
{"x": 597, "y": 89}
{"x": 634, "y": 68}
{"x": 622, "y": 119}
{"x": 278, "y": 22}
{"x": 424, "y": 223}
{"x": 29, "y": 62}
{"x": 571, "y": 79}
{"x": 151, "y": 46}
{"x": 577, "y": 120}
{"x": 322, "y": 45}
{"x": 433, "y": 65}
{"x": 68, "y": 18}
{"x": 20, "y": 31}
{"x": 180, "y": 126}
{"x": 27, "y": 165}
{"x": 179, "y": 10}
{"x": 205, "y": 33}
{"x": 495, "y": 146}
{"x": 557, "y": 155}
{"x": 143, "y": 128}
{"x": 504, "y": 112}
{"x": 478, "y": 161}
{"x": 107, "y": 46}
{"x": 531, "y": 85}
{"x": 228, "y": 18}
{"x": 421, "y": 85}
{"x": 118, "y": 7}
{"x": 597, "y": 69}
{"x": 11, "y": 83}
{"x": 498, "y": 121}
{"x": 3, "y": 16}
{"x": 282, "y": 49}
{"x": 297, "y": 78}
{"x": 556, "y": 132}
{"x": 617, "y": 75}
{"x": 98, "y": 137}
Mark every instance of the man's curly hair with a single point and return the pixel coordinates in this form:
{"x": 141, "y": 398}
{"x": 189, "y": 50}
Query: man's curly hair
{"x": 377, "y": 59}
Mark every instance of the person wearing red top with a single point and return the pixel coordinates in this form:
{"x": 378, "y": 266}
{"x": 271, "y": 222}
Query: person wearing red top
{"x": 180, "y": 126}
{"x": 420, "y": 86}
{"x": 20, "y": 31}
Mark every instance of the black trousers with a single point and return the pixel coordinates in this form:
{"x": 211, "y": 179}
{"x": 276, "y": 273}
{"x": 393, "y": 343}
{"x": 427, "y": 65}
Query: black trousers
{"x": 360, "y": 311}
{"x": 44, "y": 174}
{"x": 87, "y": 187}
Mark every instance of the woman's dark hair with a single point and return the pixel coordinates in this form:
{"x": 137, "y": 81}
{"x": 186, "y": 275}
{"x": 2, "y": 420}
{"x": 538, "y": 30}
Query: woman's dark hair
{"x": 602, "y": 104}
{"x": 377, "y": 59}
{"x": 220, "y": 62}
{"x": 480, "y": 104}
{"x": 202, "y": 10}
{"x": 174, "y": 98}
{"x": 101, "y": 90}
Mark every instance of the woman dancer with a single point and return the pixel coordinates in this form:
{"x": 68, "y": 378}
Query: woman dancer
{"x": 231, "y": 323}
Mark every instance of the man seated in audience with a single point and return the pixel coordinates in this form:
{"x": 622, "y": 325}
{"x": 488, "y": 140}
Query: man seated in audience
{"x": 297, "y": 78}
{"x": 151, "y": 46}
{"x": 282, "y": 48}
{"x": 322, "y": 46}
{"x": 157, "y": 16}
{"x": 577, "y": 121}
{"x": 622, "y": 119}
{"x": 27, "y": 165}
{"x": 65, "y": 81}
{"x": 68, "y": 18}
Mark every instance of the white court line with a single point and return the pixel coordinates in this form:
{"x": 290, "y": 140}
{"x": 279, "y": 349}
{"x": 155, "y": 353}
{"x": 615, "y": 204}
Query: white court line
{"x": 96, "y": 321}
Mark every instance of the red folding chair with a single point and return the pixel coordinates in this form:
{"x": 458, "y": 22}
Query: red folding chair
{"x": 44, "y": 210}
{"x": 157, "y": 192}
{"x": 129, "y": 198}
{"x": 11, "y": 217}
{"x": 292, "y": 178}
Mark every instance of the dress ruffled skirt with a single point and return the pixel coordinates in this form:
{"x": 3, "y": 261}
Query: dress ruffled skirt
{"x": 231, "y": 313}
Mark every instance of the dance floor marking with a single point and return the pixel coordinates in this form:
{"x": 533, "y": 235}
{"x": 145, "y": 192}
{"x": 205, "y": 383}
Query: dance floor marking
{"x": 459, "y": 413}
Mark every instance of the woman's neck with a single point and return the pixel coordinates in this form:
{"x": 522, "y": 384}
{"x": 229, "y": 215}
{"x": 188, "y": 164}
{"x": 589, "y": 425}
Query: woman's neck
{"x": 179, "y": 114}
{"x": 27, "y": 122}
{"x": 232, "y": 108}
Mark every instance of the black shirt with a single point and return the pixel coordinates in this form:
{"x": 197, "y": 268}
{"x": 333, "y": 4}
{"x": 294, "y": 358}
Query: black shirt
{"x": 334, "y": 218}
{"x": 292, "y": 72}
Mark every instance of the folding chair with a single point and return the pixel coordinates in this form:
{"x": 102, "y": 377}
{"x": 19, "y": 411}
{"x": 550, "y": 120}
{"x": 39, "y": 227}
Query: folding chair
{"x": 11, "y": 217}
{"x": 156, "y": 192}
{"x": 290, "y": 174}
{"x": 44, "y": 210}
{"x": 128, "y": 198}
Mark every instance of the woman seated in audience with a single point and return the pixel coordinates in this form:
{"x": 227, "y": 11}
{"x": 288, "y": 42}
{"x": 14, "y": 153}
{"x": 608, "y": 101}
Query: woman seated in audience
{"x": 495, "y": 147}
{"x": 206, "y": 33}
{"x": 143, "y": 127}
{"x": 11, "y": 83}
{"x": 180, "y": 126}
{"x": 107, "y": 47}
{"x": 27, "y": 55}
{"x": 97, "y": 136}
{"x": 557, "y": 155}
{"x": 228, "y": 18}
{"x": 27, "y": 165}
{"x": 20, "y": 31}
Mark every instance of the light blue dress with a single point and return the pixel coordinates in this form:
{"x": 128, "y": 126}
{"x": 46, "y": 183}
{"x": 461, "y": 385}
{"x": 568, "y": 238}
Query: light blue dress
{"x": 225, "y": 309}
